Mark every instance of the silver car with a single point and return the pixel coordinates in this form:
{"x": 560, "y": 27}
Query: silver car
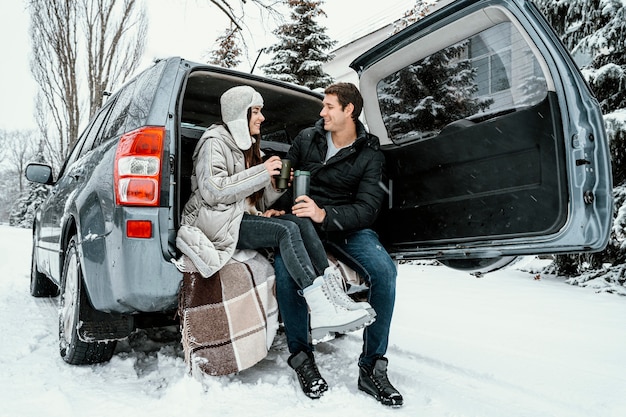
{"x": 495, "y": 148}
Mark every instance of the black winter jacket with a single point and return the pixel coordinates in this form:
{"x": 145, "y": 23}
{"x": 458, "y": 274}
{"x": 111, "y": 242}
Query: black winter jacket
{"x": 350, "y": 186}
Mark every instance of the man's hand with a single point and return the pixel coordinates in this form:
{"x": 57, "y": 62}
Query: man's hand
{"x": 306, "y": 207}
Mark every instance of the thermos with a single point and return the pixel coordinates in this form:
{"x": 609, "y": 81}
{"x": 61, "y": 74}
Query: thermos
{"x": 301, "y": 184}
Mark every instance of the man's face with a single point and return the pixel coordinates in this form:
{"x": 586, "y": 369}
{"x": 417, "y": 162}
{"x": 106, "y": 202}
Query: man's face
{"x": 335, "y": 118}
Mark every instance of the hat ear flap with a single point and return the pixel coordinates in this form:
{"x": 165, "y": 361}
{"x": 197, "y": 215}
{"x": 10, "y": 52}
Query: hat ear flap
{"x": 241, "y": 133}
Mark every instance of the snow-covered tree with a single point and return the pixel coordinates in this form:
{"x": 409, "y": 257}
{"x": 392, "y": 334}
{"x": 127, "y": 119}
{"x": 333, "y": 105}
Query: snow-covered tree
{"x": 302, "y": 47}
{"x": 437, "y": 90}
{"x": 25, "y": 196}
{"x": 420, "y": 9}
{"x": 595, "y": 33}
{"x": 228, "y": 51}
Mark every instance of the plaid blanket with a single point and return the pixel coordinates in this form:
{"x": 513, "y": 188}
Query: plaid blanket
{"x": 230, "y": 319}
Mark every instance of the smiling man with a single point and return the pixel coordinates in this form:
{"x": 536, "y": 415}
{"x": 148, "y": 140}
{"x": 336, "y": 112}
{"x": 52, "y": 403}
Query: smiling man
{"x": 346, "y": 193}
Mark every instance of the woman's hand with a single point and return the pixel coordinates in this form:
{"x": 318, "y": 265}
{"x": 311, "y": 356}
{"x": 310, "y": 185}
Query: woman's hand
{"x": 273, "y": 165}
{"x": 273, "y": 213}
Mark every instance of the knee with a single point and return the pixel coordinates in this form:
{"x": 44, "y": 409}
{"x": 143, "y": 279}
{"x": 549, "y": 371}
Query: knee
{"x": 384, "y": 273}
{"x": 289, "y": 230}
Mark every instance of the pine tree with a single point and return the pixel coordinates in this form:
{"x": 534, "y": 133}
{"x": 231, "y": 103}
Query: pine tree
{"x": 419, "y": 10}
{"x": 594, "y": 29}
{"x": 228, "y": 52}
{"x": 430, "y": 88}
{"x": 22, "y": 213}
{"x": 301, "y": 50}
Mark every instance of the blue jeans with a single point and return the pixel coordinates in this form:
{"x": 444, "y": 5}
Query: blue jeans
{"x": 363, "y": 252}
{"x": 296, "y": 239}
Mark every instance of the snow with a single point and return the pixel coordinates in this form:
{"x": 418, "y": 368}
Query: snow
{"x": 506, "y": 344}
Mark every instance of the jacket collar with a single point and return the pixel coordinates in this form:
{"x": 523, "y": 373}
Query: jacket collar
{"x": 362, "y": 137}
{"x": 216, "y": 131}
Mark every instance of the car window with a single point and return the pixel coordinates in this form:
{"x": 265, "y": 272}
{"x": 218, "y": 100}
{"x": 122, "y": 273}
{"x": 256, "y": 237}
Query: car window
{"x": 85, "y": 141}
{"x": 91, "y": 138}
{"x": 117, "y": 118}
{"x": 132, "y": 104}
{"x": 487, "y": 74}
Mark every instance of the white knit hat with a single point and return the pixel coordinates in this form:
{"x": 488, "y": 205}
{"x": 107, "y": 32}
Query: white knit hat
{"x": 235, "y": 103}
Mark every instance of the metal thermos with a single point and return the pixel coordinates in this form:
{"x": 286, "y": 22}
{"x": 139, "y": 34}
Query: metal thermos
{"x": 301, "y": 184}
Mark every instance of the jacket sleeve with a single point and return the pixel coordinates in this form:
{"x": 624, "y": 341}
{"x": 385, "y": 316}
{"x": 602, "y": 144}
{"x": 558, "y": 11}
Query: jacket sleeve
{"x": 217, "y": 182}
{"x": 367, "y": 203}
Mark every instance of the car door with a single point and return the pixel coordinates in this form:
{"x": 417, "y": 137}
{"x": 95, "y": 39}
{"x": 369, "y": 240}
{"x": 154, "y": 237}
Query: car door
{"x": 54, "y": 213}
{"x": 495, "y": 145}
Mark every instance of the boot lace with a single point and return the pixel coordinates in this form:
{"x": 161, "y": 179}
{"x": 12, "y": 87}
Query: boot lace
{"x": 337, "y": 290}
{"x": 311, "y": 377}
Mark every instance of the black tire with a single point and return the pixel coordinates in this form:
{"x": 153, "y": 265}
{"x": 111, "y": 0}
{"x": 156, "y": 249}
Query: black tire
{"x": 72, "y": 306}
{"x": 40, "y": 284}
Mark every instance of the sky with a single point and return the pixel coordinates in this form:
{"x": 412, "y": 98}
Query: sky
{"x": 514, "y": 343}
{"x": 186, "y": 28}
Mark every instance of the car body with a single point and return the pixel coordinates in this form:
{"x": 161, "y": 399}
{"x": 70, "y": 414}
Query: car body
{"x": 495, "y": 148}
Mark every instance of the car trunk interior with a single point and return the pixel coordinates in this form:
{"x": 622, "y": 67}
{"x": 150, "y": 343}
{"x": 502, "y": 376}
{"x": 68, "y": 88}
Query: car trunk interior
{"x": 472, "y": 180}
{"x": 286, "y": 111}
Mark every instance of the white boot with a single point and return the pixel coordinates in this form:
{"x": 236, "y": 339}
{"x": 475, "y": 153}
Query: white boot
{"x": 328, "y": 317}
{"x": 334, "y": 281}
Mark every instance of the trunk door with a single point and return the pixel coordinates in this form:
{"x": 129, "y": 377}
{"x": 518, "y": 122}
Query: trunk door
{"x": 495, "y": 145}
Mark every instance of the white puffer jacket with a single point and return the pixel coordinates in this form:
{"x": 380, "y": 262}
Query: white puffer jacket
{"x": 220, "y": 185}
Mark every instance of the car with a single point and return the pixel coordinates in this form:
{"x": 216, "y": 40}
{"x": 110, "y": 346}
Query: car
{"x": 495, "y": 149}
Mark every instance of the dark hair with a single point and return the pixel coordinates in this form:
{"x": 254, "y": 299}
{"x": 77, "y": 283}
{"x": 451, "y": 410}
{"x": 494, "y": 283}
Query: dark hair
{"x": 253, "y": 157}
{"x": 347, "y": 93}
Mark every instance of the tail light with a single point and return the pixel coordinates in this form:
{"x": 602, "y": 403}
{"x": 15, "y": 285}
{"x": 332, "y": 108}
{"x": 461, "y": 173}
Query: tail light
{"x": 137, "y": 172}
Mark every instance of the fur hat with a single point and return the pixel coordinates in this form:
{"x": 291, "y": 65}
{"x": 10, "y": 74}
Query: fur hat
{"x": 235, "y": 103}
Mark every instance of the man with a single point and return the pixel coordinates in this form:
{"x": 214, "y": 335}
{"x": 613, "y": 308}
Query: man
{"x": 346, "y": 193}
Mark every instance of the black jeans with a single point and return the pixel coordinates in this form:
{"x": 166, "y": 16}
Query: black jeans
{"x": 300, "y": 247}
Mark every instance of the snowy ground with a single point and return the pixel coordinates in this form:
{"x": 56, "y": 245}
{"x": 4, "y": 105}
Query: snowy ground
{"x": 505, "y": 345}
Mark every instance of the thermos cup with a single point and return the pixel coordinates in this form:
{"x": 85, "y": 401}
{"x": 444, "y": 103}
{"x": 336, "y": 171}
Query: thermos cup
{"x": 301, "y": 183}
{"x": 282, "y": 180}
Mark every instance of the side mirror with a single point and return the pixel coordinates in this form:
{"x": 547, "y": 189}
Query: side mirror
{"x": 40, "y": 173}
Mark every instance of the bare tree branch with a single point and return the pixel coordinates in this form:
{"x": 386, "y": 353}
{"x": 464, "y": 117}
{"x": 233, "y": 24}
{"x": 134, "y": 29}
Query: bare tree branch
{"x": 103, "y": 38}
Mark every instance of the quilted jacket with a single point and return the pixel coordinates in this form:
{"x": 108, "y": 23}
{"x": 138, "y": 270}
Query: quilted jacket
{"x": 220, "y": 185}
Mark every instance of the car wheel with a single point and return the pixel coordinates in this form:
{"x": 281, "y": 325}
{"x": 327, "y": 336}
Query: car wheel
{"x": 40, "y": 284}
{"x": 72, "y": 303}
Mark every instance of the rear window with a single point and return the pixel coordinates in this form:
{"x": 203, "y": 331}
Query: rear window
{"x": 473, "y": 79}
{"x": 133, "y": 102}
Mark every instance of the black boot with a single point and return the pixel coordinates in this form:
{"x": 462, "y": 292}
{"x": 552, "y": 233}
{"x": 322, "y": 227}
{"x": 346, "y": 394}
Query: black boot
{"x": 374, "y": 381}
{"x": 311, "y": 382}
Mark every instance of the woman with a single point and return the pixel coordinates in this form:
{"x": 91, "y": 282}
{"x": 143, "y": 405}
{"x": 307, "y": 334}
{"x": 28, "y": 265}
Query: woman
{"x": 231, "y": 188}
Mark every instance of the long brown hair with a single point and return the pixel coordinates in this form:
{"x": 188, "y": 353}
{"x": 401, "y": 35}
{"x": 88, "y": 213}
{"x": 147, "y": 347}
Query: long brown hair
{"x": 253, "y": 157}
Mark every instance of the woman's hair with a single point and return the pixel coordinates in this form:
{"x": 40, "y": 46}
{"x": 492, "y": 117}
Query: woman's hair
{"x": 253, "y": 157}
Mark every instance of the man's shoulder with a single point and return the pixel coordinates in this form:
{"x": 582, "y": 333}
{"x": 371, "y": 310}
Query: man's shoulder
{"x": 308, "y": 134}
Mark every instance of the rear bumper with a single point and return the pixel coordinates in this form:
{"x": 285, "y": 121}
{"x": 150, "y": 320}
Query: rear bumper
{"x": 125, "y": 275}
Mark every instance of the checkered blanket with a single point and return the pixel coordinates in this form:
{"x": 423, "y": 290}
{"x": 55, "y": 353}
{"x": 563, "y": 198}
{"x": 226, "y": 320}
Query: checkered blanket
{"x": 230, "y": 319}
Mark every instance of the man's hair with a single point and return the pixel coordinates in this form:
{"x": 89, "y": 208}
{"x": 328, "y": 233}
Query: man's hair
{"x": 347, "y": 93}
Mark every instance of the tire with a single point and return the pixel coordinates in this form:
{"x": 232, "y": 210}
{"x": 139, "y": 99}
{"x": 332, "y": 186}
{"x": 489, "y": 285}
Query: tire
{"x": 73, "y": 305}
{"x": 480, "y": 266}
{"x": 40, "y": 284}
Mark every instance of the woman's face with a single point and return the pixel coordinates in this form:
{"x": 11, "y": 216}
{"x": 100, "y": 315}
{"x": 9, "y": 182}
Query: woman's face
{"x": 256, "y": 118}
